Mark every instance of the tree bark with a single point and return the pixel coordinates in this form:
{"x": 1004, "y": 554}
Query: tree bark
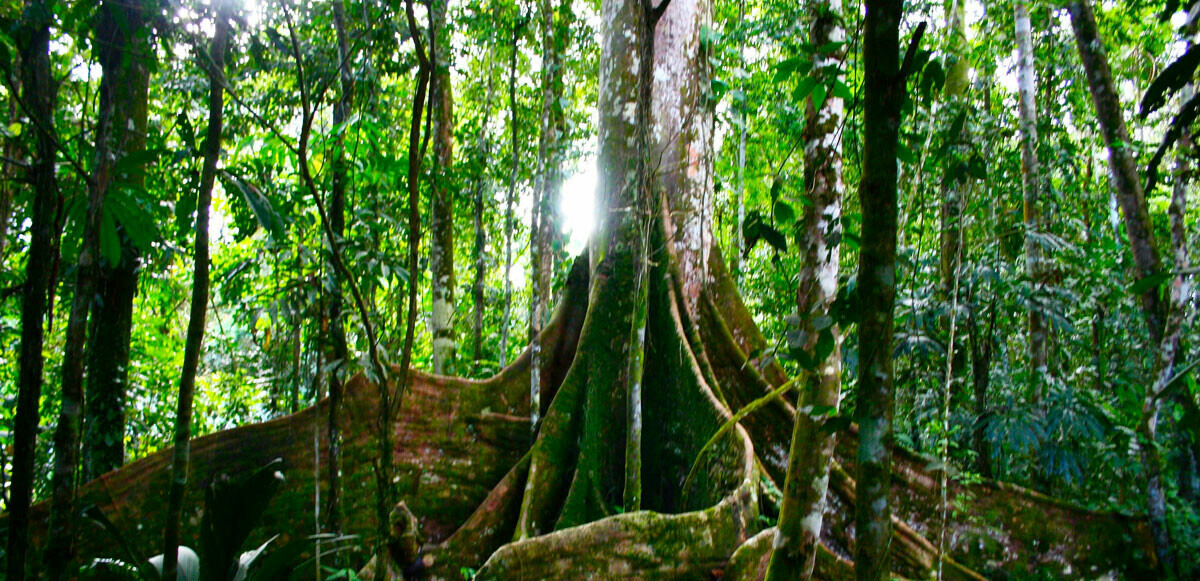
{"x": 109, "y": 338}
{"x": 683, "y": 123}
{"x": 441, "y": 215}
{"x": 811, "y": 452}
{"x": 1162, "y": 322}
{"x": 1127, "y": 188}
{"x": 511, "y": 197}
{"x": 40, "y": 95}
{"x": 338, "y": 350}
{"x": 108, "y": 364}
{"x": 884, "y": 91}
{"x": 1032, "y": 186}
{"x": 200, "y": 285}
{"x": 544, "y": 228}
{"x": 122, "y": 93}
{"x": 483, "y": 191}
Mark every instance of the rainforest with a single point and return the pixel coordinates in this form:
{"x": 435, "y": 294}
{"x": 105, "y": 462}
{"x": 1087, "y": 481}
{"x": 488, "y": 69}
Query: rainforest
{"x": 598, "y": 289}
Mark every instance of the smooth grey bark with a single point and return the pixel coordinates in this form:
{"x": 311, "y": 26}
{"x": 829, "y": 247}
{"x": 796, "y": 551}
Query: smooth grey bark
{"x": 682, "y": 121}
{"x": 1031, "y": 182}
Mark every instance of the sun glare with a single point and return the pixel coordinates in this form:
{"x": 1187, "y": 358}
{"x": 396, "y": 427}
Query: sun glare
{"x": 578, "y": 207}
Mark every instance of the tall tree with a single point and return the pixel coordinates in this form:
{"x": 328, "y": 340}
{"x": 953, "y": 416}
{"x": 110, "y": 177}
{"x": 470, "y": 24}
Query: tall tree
{"x": 554, "y": 22}
{"x": 39, "y": 93}
{"x": 112, "y": 321}
{"x": 1132, "y": 199}
{"x": 884, "y": 91}
{"x": 483, "y": 191}
{"x": 215, "y": 62}
{"x": 1031, "y": 184}
{"x": 683, "y": 124}
{"x": 511, "y": 196}
{"x": 441, "y": 215}
{"x": 812, "y": 447}
{"x": 122, "y": 95}
{"x": 339, "y": 351}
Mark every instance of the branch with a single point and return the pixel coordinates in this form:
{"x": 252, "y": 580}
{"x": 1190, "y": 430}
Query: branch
{"x": 911, "y": 53}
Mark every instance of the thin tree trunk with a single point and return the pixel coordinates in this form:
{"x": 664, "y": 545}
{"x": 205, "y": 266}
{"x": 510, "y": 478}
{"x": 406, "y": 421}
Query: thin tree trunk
{"x": 8, "y": 174}
{"x": 384, "y": 500}
{"x": 200, "y": 285}
{"x": 545, "y": 221}
{"x": 735, "y": 262}
{"x": 812, "y": 447}
{"x": 441, "y": 216}
{"x": 483, "y": 188}
{"x": 1032, "y": 185}
{"x": 511, "y": 198}
{"x": 981, "y": 365}
{"x": 953, "y": 188}
{"x": 884, "y": 91}
{"x": 40, "y": 94}
{"x": 339, "y": 351}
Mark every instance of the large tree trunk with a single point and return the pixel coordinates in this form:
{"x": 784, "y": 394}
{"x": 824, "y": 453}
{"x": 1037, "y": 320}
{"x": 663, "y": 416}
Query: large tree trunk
{"x": 40, "y": 94}
{"x": 441, "y": 215}
{"x": 883, "y": 93}
{"x": 108, "y": 349}
{"x": 122, "y": 94}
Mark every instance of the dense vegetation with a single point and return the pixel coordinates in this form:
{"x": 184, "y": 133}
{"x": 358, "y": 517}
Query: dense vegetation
{"x": 224, "y": 212}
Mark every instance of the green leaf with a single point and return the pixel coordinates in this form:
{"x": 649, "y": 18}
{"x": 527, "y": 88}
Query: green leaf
{"x": 264, "y": 211}
{"x": 774, "y": 237}
{"x": 818, "y": 96}
{"x": 830, "y": 47}
{"x": 785, "y": 68}
{"x": 841, "y": 90}
{"x": 133, "y": 163}
{"x": 1149, "y": 282}
{"x": 138, "y": 224}
{"x": 904, "y": 154}
{"x": 784, "y": 214}
{"x": 804, "y": 88}
{"x": 110, "y": 241}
